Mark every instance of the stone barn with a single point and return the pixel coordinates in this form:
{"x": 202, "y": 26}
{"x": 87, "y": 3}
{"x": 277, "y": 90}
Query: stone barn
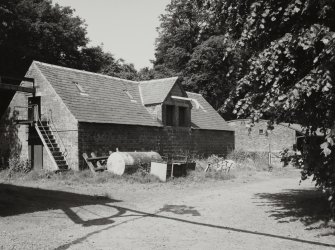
{"x": 260, "y": 139}
{"x": 73, "y": 111}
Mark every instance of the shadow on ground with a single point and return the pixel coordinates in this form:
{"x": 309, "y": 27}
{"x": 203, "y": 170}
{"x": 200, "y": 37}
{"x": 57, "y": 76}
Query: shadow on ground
{"x": 180, "y": 209}
{"x": 308, "y": 206}
{"x": 16, "y": 200}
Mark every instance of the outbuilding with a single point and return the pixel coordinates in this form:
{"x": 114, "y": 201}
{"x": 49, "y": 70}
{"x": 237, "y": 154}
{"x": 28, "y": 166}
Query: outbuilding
{"x": 75, "y": 112}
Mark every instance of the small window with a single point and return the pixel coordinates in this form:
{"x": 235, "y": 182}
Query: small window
{"x": 169, "y": 115}
{"x": 261, "y": 132}
{"x": 182, "y": 116}
{"x": 130, "y": 96}
{"x": 80, "y": 88}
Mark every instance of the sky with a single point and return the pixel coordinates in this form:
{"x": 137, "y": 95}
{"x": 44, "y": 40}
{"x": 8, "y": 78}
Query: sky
{"x": 126, "y": 28}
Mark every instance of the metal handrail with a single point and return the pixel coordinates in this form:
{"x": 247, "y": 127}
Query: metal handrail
{"x": 54, "y": 129}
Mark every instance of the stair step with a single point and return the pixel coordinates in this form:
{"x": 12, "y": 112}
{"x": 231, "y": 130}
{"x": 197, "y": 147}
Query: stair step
{"x": 57, "y": 153}
{"x": 59, "y": 157}
{"x": 44, "y": 128}
{"x": 49, "y": 140}
{"x": 46, "y": 138}
{"x": 52, "y": 145}
{"x": 61, "y": 162}
{"x": 63, "y": 167}
{"x": 46, "y": 133}
{"x": 55, "y": 150}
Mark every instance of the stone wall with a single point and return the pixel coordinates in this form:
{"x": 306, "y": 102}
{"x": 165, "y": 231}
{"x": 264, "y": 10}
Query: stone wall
{"x": 102, "y": 138}
{"x": 65, "y": 123}
{"x": 51, "y": 106}
{"x": 253, "y": 140}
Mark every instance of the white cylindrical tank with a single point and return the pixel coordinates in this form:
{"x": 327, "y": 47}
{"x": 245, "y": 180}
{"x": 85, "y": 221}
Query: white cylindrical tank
{"x": 118, "y": 161}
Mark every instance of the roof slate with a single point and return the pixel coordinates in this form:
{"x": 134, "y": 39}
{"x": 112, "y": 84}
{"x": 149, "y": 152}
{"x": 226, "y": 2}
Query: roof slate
{"x": 205, "y": 117}
{"x": 107, "y": 101}
{"x": 155, "y": 91}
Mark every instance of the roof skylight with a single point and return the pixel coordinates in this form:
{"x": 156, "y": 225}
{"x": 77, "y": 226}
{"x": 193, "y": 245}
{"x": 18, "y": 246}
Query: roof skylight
{"x": 130, "y": 96}
{"x": 80, "y": 88}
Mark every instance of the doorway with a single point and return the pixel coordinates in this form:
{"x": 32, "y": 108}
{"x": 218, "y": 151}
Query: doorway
{"x": 34, "y": 108}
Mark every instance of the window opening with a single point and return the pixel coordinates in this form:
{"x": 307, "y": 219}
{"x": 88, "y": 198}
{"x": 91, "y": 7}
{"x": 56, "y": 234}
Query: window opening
{"x": 169, "y": 115}
{"x": 182, "y": 116}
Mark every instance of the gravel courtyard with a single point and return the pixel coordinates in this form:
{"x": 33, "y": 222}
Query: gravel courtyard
{"x": 266, "y": 212}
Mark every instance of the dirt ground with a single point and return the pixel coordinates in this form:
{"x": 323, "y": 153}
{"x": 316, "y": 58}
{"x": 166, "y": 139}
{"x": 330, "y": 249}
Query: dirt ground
{"x": 267, "y": 211}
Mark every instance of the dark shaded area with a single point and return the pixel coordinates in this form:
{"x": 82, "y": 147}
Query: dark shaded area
{"x": 9, "y": 142}
{"x": 307, "y": 206}
{"x": 16, "y": 200}
{"x": 5, "y": 99}
{"x": 180, "y": 209}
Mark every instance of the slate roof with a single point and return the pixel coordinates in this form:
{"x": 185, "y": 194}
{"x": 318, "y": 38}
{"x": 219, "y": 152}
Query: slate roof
{"x": 155, "y": 91}
{"x": 113, "y": 100}
{"x": 205, "y": 116}
{"x": 107, "y": 100}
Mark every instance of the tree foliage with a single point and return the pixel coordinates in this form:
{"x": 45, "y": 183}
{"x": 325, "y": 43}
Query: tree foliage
{"x": 190, "y": 46}
{"x": 276, "y": 58}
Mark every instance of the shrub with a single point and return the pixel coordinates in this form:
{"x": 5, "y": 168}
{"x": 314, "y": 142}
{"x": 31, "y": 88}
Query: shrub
{"x": 250, "y": 160}
{"x": 16, "y": 164}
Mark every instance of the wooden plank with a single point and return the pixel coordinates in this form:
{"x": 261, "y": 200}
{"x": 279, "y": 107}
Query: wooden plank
{"x": 89, "y": 164}
{"x": 98, "y": 162}
{"x": 17, "y": 88}
{"x": 97, "y": 158}
{"x": 103, "y": 168}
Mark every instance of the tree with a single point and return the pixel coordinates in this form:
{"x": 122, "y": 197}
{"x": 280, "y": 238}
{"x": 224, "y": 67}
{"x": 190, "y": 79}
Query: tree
{"x": 190, "y": 47}
{"x": 213, "y": 69}
{"x": 179, "y": 34}
{"x": 37, "y": 30}
{"x": 290, "y": 76}
{"x": 277, "y": 59}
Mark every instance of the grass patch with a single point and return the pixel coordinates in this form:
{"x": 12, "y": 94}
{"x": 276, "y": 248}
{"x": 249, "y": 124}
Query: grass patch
{"x": 246, "y": 164}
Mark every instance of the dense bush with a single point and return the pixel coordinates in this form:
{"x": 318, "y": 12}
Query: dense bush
{"x": 16, "y": 164}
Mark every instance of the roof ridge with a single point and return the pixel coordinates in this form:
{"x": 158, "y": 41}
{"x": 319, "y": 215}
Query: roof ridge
{"x": 159, "y": 79}
{"x": 245, "y": 119}
{"x": 189, "y": 92}
{"x": 85, "y": 72}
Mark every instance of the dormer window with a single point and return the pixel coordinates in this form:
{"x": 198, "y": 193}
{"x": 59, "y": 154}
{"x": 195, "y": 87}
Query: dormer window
{"x": 175, "y": 115}
{"x": 80, "y": 88}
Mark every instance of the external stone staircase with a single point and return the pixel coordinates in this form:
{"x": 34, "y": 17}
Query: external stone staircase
{"x": 48, "y": 138}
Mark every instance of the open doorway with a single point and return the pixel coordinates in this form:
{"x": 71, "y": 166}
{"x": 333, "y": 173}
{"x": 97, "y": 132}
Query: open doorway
{"x": 34, "y": 108}
{"x": 35, "y": 145}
